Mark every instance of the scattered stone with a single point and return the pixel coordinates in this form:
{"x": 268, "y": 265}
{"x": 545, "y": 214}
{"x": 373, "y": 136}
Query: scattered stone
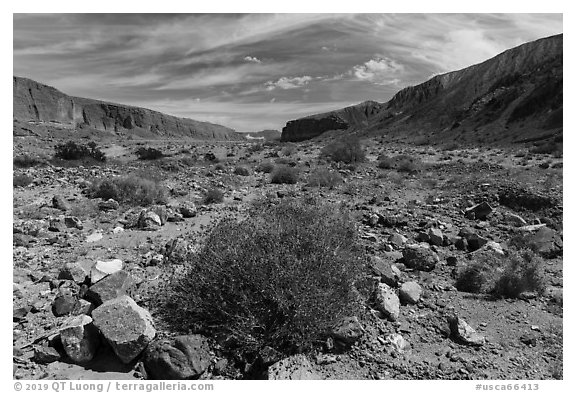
{"x": 420, "y": 257}
{"x": 79, "y": 338}
{"x": 60, "y": 203}
{"x": 494, "y": 247}
{"x": 547, "y": 242}
{"x": 349, "y": 330}
{"x": 108, "y": 205}
{"x": 83, "y": 307}
{"x": 514, "y": 220}
{"x": 296, "y": 367}
{"x": 74, "y": 271}
{"x": 188, "y": 209}
{"x": 475, "y": 242}
{"x": 435, "y": 236}
{"x": 397, "y": 239}
{"x": 94, "y": 237}
{"x": 461, "y": 244}
{"x": 20, "y": 313}
{"x": 148, "y": 220}
{"x": 55, "y": 225}
{"x": 480, "y": 211}
{"x": 64, "y": 304}
{"x": 73, "y": 222}
{"x": 463, "y": 332}
{"x": 103, "y": 269}
{"x": 110, "y": 287}
{"x": 44, "y": 354}
{"x": 383, "y": 269}
{"x": 397, "y": 342}
{"x": 452, "y": 261}
{"x": 183, "y": 357}
{"x": 410, "y": 292}
{"x": 387, "y": 302}
{"x": 162, "y": 213}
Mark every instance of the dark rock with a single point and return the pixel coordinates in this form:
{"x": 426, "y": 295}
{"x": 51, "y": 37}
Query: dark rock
{"x": 383, "y": 269}
{"x": 80, "y": 339}
{"x": 188, "y": 209}
{"x": 60, "y": 203}
{"x": 183, "y": 357}
{"x": 419, "y": 258}
{"x": 110, "y": 287}
{"x": 73, "y": 222}
{"x": 108, "y": 205}
{"x": 127, "y": 327}
{"x": 64, "y": 304}
{"x": 547, "y": 242}
{"x": 45, "y": 355}
{"x": 481, "y": 211}
{"x": 349, "y": 330}
{"x": 475, "y": 242}
{"x": 463, "y": 332}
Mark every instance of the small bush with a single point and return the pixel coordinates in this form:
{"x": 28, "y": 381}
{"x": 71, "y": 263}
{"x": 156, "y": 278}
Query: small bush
{"x": 255, "y": 148}
{"x": 523, "y": 273}
{"x": 21, "y": 180}
{"x": 385, "y": 162}
{"x": 280, "y": 278}
{"x": 149, "y": 153}
{"x": 132, "y": 190}
{"x": 265, "y": 167}
{"x": 74, "y": 151}
{"x": 27, "y": 161}
{"x": 241, "y": 171}
{"x": 288, "y": 150}
{"x": 284, "y": 175}
{"x": 547, "y": 148}
{"x": 324, "y": 177}
{"x": 503, "y": 276}
{"x": 213, "y": 195}
{"x": 347, "y": 151}
{"x": 405, "y": 163}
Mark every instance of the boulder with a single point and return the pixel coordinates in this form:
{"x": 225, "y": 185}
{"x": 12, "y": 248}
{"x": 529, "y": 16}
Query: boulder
{"x": 44, "y": 354}
{"x": 188, "y": 209}
{"x": 463, "y": 332}
{"x": 74, "y": 271}
{"x": 436, "y": 237}
{"x": 127, "y": 327}
{"x": 162, "y": 213}
{"x": 79, "y": 338}
{"x": 397, "y": 342}
{"x": 420, "y": 257}
{"x": 73, "y": 222}
{"x": 296, "y": 367}
{"x": 383, "y": 269}
{"x": 480, "y": 211}
{"x": 148, "y": 220}
{"x": 547, "y": 242}
{"x": 110, "y": 204}
{"x": 183, "y": 357}
{"x": 387, "y": 302}
{"x": 397, "y": 239}
{"x": 103, "y": 269}
{"x": 60, "y": 203}
{"x": 475, "y": 242}
{"x": 64, "y": 304}
{"x": 349, "y": 330}
{"x": 410, "y": 292}
{"x": 114, "y": 285}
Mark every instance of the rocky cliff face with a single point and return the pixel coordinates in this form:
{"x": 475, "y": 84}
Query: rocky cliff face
{"x": 36, "y": 102}
{"x": 311, "y": 126}
{"x": 514, "y": 96}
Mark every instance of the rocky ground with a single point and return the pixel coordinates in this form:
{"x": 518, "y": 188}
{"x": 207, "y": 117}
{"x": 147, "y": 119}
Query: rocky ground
{"x": 84, "y": 268}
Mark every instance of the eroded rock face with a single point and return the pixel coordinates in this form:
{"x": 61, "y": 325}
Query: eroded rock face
{"x": 184, "y": 357}
{"x": 127, "y": 327}
{"x": 34, "y": 101}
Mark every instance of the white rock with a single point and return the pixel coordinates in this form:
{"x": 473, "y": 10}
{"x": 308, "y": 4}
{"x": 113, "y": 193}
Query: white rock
{"x": 103, "y": 269}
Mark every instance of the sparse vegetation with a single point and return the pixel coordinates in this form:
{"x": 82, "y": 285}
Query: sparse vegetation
{"x": 284, "y": 175}
{"x": 21, "y": 180}
{"x": 132, "y": 190}
{"x": 265, "y": 167}
{"x": 280, "y": 278}
{"x": 27, "y": 161}
{"x": 347, "y": 151}
{"x": 75, "y": 151}
{"x": 241, "y": 171}
{"x": 213, "y": 195}
{"x": 149, "y": 153}
{"x": 324, "y": 177}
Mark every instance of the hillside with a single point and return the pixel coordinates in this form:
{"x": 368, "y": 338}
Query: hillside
{"x": 40, "y": 106}
{"x": 515, "y": 96}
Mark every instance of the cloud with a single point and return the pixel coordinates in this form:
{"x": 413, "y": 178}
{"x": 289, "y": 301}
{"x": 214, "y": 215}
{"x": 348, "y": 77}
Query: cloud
{"x": 252, "y": 59}
{"x": 286, "y": 83}
{"x": 379, "y": 70}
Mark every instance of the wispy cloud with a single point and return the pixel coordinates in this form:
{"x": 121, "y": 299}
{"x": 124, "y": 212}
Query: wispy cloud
{"x": 254, "y": 71}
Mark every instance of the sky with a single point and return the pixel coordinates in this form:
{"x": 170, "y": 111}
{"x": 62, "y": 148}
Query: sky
{"x": 252, "y": 72}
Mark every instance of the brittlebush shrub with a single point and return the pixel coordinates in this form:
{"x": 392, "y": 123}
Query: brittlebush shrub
{"x": 132, "y": 190}
{"x": 323, "y": 177}
{"x": 280, "y": 278}
{"x": 213, "y": 195}
{"x": 503, "y": 276}
{"x": 284, "y": 175}
{"x": 347, "y": 151}
{"x": 75, "y": 151}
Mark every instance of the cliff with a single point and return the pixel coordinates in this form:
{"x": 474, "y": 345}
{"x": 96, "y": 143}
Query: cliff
{"x": 35, "y": 102}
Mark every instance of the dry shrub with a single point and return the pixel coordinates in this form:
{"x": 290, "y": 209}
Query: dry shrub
{"x": 284, "y": 175}
{"x": 324, "y": 177}
{"x": 280, "y": 278}
{"x": 132, "y": 190}
{"x": 347, "y": 151}
{"x": 213, "y": 195}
